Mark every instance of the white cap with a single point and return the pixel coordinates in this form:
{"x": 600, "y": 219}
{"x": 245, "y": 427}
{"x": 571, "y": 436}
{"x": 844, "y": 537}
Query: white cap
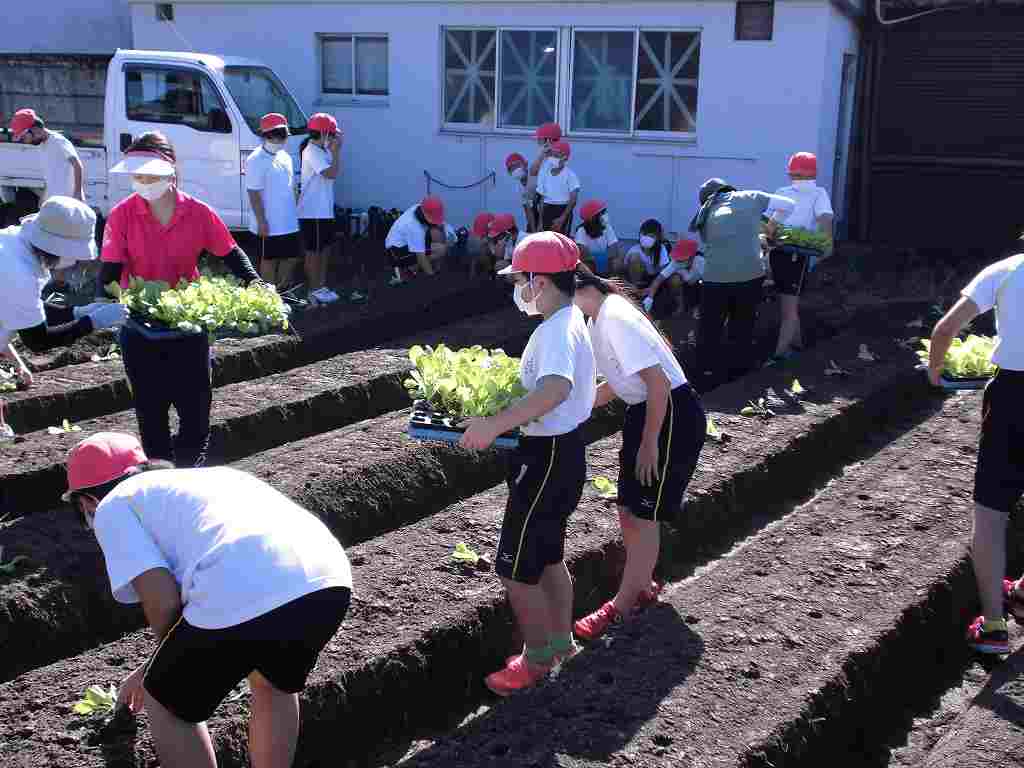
{"x": 145, "y": 163}
{"x": 65, "y": 227}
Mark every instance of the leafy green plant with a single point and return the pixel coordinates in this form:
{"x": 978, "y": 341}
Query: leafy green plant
{"x": 65, "y": 428}
{"x": 803, "y": 238}
{"x": 7, "y": 569}
{"x": 713, "y": 431}
{"x": 464, "y": 383}
{"x": 112, "y": 353}
{"x": 97, "y": 701}
{"x": 760, "y": 408}
{"x": 209, "y": 304}
{"x": 967, "y": 358}
{"x": 796, "y": 388}
{"x": 463, "y": 554}
{"x": 606, "y": 489}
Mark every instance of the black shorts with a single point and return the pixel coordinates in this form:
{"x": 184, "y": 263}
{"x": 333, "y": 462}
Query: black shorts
{"x": 789, "y": 271}
{"x": 999, "y": 476}
{"x": 317, "y": 234}
{"x": 549, "y": 213}
{"x": 194, "y": 669}
{"x": 545, "y": 483}
{"x": 280, "y": 247}
{"x": 682, "y": 437}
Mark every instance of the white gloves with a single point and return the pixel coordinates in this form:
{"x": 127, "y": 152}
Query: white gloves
{"x": 88, "y": 309}
{"x": 108, "y": 315}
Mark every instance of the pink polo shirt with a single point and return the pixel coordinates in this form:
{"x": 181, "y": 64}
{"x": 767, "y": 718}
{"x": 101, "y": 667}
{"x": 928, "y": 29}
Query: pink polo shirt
{"x": 147, "y": 249}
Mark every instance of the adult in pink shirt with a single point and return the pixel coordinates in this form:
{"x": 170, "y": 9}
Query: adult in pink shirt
{"x": 158, "y": 233}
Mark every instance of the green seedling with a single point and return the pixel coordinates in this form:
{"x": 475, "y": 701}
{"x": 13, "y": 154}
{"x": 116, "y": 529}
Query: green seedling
{"x": 796, "y": 388}
{"x": 967, "y": 358}
{"x": 713, "y": 431}
{"x": 463, "y": 554}
{"x": 464, "y": 383}
{"x": 606, "y": 489}
{"x": 760, "y": 408}
{"x": 918, "y": 323}
{"x": 65, "y": 428}
{"x": 97, "y": 701}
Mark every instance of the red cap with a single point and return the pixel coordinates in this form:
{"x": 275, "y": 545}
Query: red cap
{"x": 272, "y": 122}
{"x": 481, "y": 224}
{"x": 502, "y": 223}
{"x": 321, "y": 122}
{"x": 514, "y": 160}
{"x": 803, "y": 164}
{"x": 684, "y": 250}
{"x": 562, "y": 149}
{"x": 545, "y": 253}
{"x": 23, "y": 120}
{"x": 433, "y": 210}
{"x": 592, "y": 209}
{"x": 101, "y": 458}
{"x": 549, "y": 132}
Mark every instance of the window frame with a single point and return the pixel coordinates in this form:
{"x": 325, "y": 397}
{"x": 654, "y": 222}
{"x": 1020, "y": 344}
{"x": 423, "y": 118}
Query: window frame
{"x": 152, "y": 67}
{"x": 337, "y": 97}
{"x": 565, "y": 39}
{"x": 771, "y": 22}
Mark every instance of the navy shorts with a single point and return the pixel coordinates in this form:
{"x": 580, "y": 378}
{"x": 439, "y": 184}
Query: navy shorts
{"x": 999, "y": 476}
{"x": 545, "y": 483}
{"x": 194, "y": 669}
{"x": 789, "y": 271}
{"x": 279, "y": 247}
{"x": 682, "y": 437}
{"x": 317, "y": 234}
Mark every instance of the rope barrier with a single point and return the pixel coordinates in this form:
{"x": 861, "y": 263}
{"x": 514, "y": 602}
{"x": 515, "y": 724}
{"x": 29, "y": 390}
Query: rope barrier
{"x": 492, "y": 177}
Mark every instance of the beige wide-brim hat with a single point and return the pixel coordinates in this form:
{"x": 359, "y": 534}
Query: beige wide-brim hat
{"x": 65, "y": 227}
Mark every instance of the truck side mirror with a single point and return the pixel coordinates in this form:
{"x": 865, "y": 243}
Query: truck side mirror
{"x": 126, "y": 141}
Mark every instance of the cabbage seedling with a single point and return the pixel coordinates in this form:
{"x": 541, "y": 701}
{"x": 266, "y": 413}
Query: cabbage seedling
{"x": 97, "y": 701}
{"x": 606, "y": 489}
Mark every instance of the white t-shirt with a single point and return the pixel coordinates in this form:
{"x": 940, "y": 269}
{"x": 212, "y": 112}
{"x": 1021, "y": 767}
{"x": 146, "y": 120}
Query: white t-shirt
{"x": 626, "y": 343}
{"x": 636, "y": 253}
{"x": 811, "y": 201}
{"x": 237, "y": 547}
{"x": 1001, "y": 285}
{"x": 691, "y": 275}
{"x": 272, "y": 176}
{"x": 560, "y": 346}
{"x": 407, "y": 232}
{"x": 22, "y": 284}
{"x": 317, "y": 198}
{"x": 556, "y": 190}
{"x": 597, "y": 245}
{"x": 57, "y": 153}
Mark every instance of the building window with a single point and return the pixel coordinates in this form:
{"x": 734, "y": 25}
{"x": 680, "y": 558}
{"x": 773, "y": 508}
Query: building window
{"x": 635, "y": 81}
{"x": 354, "y": 65}
{"x": 164, "y": 12}
{"x": 755, "y": 19}
{"x": 622, "y": 81}
{"x": 174, "y": 96}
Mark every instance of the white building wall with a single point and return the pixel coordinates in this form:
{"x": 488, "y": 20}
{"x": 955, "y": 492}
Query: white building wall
{"x": 66, "y": 26}
{"x": 758, "y": 101}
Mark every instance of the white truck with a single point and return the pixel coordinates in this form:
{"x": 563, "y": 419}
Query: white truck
{"x": 208, "y": 106}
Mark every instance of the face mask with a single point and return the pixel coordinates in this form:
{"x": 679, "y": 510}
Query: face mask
{"x": 151, "y": 192}
{"x": 526, "y": 307}
{"x": 273, "y": 147}
{"x": 518, "y": 174}
{"x": 604, "y": 219}
{"x": 803, "y": 184}
{"x": 647, "y": 241}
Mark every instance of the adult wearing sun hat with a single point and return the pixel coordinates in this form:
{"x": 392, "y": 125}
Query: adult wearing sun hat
{"x": 417, "y": 238}
{"x": 158, "y": 233}
{"x": 547, "y": 470}
{"x": 186, "y": 544}
{"x": 63, "y": 231}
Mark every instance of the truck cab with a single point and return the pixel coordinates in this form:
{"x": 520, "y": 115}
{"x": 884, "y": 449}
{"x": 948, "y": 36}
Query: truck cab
{"x": 208, "y": 106}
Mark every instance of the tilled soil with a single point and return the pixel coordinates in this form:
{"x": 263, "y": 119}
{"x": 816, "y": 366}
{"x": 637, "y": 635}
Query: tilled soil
{"x": 748, "y": 662}
{"x": 421, "y": 632}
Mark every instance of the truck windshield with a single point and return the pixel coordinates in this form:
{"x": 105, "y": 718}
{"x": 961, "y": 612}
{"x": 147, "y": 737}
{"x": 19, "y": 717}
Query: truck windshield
{"x": 257, "y": 92}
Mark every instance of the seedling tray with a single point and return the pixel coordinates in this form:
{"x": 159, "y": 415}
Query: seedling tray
{"x": 427, "y": 424}
{"x": 960, "y": 384}
{"x": 153, "y": 330}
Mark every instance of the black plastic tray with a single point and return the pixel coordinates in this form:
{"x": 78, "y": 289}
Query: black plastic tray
{"x": 426, "y": 424}
{"x": 956, "y": 384}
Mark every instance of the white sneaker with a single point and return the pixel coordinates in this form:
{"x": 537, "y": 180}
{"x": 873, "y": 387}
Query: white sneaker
{"x": 325, "y": 295}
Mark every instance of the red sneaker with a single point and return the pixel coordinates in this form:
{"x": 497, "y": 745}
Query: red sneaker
{"x": 517, "y": 675}
{"x": 594, "y": 625}
{"x": 994, "y": 641}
